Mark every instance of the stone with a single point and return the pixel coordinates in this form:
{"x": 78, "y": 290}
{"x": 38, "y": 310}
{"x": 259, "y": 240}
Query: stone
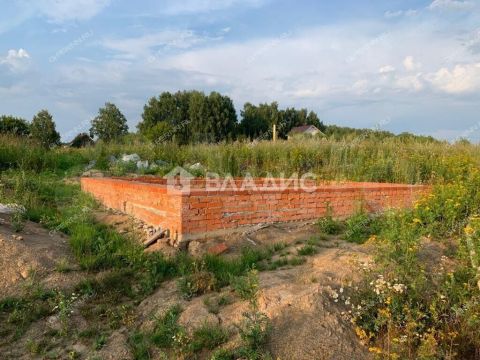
{"x": 218, "y": 249}
{"x": 91, "y": 165}
{"x": 142, "y": 164}
{"x": 196, "y": 166}
{"x": 24, "y": 273}
{"x": 130, "y": 157}
{"x": 195, "y": 248}
{"x": 11, "y": 208}
{"x": 93, "y": 173}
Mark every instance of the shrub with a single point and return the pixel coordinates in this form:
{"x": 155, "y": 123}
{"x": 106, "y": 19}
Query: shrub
{"x": 196, "y": 283}
{"x": 166, "y": 328}
{"x": 307, "y": 250}
{"x": 254, "y": 333}
{"x": 360, "y": 226}
{"x": 247, "y": 286}
{"x": 43, "y": 129}
{"x": 328, "y": 225}
{"x": 208, "y": 337}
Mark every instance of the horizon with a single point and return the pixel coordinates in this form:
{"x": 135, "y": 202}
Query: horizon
{"x": 402, "y": 66}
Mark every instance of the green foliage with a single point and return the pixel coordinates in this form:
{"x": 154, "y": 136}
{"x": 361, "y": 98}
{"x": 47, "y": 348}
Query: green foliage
{"x": 167, "y": 327}
{"x": 18, "y": 220}
{"x": 254, "y": 333}
{"x": 189, "y": 117}
{"x": 197, "y": 282}
{"x": 247, "y": 286}
{"x": 257, "y": 121}
{"x": 329, "y": 225}
{"x": 14, "y": 126}
{"x": 360, "y": 226}
{"x": 43, "y": 129}
{"x": 414, "y": 302}
{"x": 208, "y": 337}
{"x": 307, "y": 250}
{"x": 110, "y": 124}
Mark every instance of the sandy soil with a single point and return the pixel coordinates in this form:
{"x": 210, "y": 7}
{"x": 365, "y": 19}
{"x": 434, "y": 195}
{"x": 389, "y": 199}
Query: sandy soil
{"x": 33, "y": 254}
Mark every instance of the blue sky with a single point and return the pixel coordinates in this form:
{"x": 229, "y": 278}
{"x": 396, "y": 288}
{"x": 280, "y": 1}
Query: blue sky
{"x": 405, "y": 65}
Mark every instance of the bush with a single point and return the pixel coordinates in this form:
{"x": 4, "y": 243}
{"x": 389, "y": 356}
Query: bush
{"x": 247, "y": 286}
{"x": 359, "y": 227}
{"x": 329, "y": 226}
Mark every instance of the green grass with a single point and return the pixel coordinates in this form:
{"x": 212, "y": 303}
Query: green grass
{"x": 208, "y": 337}
{"x": 392, "y": 160}
{"x": 166, "y": 328}
{"x": 307, "y": 250}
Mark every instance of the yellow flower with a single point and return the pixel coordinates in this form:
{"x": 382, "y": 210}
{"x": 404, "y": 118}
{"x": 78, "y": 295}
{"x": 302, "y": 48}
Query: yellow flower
{"x": 417, "y": 221}
{"x": 468, "y": 230}
{"x": 375, "y": 350}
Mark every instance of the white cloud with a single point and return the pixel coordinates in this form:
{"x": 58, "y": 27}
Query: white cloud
{"x": 409, "y": 64}
{"x": 387, "y": 69}
{"x": 395, "y": 14}
{"x": 410, "y": 82}
{"x": 146, "y": 45}
{"x": 15, "y": 60}
{"x": 175, "y": 7}
{"x": 451, "y": 5}
{"x": 461, "y": 79}
{"x": 65, "y": 10}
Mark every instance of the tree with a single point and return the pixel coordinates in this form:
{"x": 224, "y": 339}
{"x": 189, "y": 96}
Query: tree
{"x": 257, "y": 120}
{"x": 43, "y": 129}
{"x": 14, "y": 126}
{"x": 109, "y": 124}
{"x": 189, "y": 117}
{"x": 81, "y": 140}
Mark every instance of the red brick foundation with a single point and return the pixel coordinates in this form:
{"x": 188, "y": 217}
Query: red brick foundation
{"x": 204, "y": 208}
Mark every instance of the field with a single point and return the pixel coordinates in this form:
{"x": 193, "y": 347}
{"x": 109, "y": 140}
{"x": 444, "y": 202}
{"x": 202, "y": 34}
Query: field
{"x": 415, "y": 293}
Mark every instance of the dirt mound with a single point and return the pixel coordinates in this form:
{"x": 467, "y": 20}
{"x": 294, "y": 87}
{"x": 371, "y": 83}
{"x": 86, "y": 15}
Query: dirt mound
{"x": 33, "y": 253}
{"x": 306, "y": 321}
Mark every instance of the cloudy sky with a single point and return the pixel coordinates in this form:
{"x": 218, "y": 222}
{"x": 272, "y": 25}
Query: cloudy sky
{"x": 400, "y": 65}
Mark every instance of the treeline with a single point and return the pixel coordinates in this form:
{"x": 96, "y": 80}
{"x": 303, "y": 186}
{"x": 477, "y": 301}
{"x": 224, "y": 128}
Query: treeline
{"x": 192, "y": 116}
{"x": 343, "y": 132}
{"x": 187, "y": 117}
{"x": 41, "y": 128}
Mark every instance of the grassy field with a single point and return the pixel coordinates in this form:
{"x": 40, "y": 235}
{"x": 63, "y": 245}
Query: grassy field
{"x": 406, "y": 307}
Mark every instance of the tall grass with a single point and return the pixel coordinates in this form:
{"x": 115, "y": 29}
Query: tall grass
{"x": 357, "y": 159}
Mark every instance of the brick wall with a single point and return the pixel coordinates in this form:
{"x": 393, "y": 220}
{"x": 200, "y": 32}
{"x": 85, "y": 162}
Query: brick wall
{"x": 214, "y": 208}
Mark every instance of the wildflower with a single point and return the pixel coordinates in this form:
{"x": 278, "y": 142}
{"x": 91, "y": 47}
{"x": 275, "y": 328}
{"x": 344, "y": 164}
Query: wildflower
{"x": 375, "y": 350}
{"x": 417, "y": 221}
{"x": 468, "y": 230}
{"x": 399, "y": 288}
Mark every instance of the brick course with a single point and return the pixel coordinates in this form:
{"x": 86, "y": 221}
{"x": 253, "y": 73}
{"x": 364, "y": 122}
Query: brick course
{"x": 206, "y": 209}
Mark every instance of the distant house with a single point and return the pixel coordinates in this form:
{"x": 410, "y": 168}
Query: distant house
{"x": 304, "y": 130}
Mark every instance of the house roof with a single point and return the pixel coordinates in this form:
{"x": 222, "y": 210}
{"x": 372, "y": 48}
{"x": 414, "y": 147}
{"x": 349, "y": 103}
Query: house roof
{"x": 302, "y": 129}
